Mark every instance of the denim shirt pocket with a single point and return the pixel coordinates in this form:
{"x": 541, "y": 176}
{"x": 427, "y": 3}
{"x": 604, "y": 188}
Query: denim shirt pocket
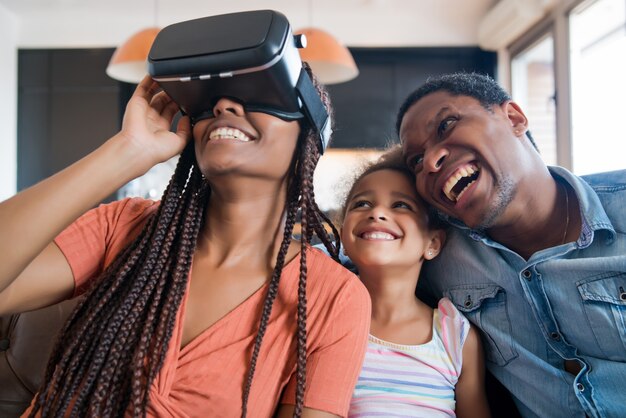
{"x": 485, "y": 306}
{"x": 604, "y": 303}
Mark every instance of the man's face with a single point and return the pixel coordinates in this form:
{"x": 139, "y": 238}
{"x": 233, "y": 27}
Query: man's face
{"x": 468, "y": 160}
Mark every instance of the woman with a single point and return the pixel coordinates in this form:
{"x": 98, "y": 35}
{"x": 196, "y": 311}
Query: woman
{"x": 179, "y": 294}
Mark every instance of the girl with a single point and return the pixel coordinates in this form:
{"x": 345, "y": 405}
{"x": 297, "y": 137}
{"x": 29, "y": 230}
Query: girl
{"x": 419, "y": 361}
{"x": 179, "y": 295}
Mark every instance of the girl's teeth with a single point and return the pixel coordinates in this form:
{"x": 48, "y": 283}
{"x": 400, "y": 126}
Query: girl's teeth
{"x": 378, "y": 236}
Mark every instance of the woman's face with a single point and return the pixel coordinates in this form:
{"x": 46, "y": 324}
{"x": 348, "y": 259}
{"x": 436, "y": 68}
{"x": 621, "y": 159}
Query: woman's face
{"x": 248, "y": 144}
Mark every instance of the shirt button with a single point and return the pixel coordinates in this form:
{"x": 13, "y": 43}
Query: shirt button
{"x": 527, "y": 274}
{"x": 555, "y": 336}
{"x": 580, "y": 387}
{"x": 622, "y": 294}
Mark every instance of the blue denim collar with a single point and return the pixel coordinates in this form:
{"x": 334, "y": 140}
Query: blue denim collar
{"x": 593, "y": 215}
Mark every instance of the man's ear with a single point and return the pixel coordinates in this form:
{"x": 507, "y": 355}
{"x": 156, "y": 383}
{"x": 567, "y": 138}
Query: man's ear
{"x": 519, "y": 122}
{"x": 437, "y": 240}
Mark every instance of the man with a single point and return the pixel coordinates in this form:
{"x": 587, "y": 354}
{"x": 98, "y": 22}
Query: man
{"x": 537, "y": 258}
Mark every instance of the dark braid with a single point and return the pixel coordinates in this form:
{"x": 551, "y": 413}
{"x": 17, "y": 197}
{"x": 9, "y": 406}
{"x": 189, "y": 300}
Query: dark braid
{"x": 115, "y": 341}
{"x": 300, "y": 196}
{"x": 95, "y": 367}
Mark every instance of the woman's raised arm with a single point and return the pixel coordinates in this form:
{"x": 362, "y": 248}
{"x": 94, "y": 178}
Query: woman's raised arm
{"x": 30, "y": 220}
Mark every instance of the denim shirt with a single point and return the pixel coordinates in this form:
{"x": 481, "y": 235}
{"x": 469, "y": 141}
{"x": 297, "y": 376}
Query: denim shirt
{"x": 565, "y": 302}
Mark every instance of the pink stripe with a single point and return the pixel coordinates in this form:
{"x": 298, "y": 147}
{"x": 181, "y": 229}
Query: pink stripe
{"x": 405, "y": 400}
{"x": 402, "y": 355}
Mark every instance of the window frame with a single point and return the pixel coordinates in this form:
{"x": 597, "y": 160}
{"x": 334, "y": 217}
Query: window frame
{"x": 556, "y": 23}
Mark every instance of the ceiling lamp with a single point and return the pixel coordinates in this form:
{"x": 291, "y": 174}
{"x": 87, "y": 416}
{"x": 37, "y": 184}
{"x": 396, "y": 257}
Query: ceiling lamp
{"x": 129, "y": 61}
{"x": 330, "y": 61}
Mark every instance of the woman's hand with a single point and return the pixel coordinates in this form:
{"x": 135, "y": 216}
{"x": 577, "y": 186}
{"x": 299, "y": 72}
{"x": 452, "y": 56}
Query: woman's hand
{"x": 146, "y": 126}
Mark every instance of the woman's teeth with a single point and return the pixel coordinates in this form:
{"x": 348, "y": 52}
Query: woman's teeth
{"x": 229, "y": 133}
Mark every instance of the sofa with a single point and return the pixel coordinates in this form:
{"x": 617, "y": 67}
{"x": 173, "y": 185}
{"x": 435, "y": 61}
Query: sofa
{"x": 26, "y": 341}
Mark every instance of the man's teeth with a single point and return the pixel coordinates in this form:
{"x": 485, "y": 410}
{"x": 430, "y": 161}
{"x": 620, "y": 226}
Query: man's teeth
{"x": 229, "y": 133}
{"x": 377, "y": 235}
{"x": 466, "y": 171}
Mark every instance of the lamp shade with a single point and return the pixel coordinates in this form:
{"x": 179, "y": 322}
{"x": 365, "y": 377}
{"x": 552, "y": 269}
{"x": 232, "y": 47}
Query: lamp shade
{"x": 129, "y": 61}
{"x": 330, "y": 61}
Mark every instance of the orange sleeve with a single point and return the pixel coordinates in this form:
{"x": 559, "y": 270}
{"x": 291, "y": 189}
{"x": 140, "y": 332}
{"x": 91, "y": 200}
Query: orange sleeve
{"x": 91, "y": 243}
{"x": 334, "y": 363}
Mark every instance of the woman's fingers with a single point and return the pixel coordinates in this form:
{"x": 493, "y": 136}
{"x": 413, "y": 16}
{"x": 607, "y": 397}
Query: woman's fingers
{"x": 147, "y": 88}
{"x": 160, "y": 101}
{"x": 170, "y": 110}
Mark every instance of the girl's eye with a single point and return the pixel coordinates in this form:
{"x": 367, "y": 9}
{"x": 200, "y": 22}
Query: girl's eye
{"x": 445, "y": 125}
{"x": 401, "y": 205}
{"x": 361, "y": 204}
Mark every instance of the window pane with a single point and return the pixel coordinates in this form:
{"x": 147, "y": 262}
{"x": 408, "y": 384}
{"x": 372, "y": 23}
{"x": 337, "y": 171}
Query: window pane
{"x": 598, "y": 63}
{"x": 532, "y": 77}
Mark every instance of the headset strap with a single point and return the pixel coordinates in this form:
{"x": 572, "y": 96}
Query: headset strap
{"x": 314, "y": 109}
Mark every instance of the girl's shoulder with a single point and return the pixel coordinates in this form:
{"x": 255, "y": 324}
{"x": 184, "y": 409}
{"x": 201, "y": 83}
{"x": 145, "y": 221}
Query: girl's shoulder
{"x": 451, "y": 324}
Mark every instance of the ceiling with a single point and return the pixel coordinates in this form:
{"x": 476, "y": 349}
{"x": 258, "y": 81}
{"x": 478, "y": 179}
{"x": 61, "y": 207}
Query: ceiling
{"x": 56, "y": 23}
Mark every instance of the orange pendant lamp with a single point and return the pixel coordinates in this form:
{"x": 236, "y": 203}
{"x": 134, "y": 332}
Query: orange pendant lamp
{"x": 330, "y": 61}
{"x": 129, "y": 61}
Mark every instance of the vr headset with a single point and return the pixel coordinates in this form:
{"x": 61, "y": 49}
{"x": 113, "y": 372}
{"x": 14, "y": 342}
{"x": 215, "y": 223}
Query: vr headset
{"x": 251, "y": 57}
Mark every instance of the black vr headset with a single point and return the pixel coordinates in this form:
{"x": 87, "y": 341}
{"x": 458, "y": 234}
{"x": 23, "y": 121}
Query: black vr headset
{"x": 250, "y": 57}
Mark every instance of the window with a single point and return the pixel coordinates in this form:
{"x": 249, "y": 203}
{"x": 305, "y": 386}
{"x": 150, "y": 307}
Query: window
{"x": 533, "y": 87}
{"x": 598, "y": 85}
{"x": 567, "y": 73}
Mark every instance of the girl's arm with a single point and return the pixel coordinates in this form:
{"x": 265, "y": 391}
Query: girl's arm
{"x": 33, "y": 271}
{"x": 471, "y": 400}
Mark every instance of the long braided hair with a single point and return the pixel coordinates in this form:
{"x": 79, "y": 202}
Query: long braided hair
{"x": 115, "y": 341}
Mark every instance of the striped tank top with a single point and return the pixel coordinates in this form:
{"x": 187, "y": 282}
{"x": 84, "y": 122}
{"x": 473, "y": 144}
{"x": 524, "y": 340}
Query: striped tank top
{"x": 413, "y": 380}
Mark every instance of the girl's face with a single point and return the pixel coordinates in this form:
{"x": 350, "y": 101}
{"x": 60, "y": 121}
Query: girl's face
{"x": 386, "y": 224}
{"x": 235, "y": 142}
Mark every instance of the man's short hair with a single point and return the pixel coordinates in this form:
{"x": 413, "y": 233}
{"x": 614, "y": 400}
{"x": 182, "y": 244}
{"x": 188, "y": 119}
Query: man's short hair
{"x": 479, "y": 86}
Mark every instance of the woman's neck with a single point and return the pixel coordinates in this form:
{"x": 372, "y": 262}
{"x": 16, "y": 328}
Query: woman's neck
{"x": 244, "y": 220}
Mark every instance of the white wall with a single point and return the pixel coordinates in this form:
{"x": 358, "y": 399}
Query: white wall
{"x": 372, "y": 23}
{"x": 8, "y": 103}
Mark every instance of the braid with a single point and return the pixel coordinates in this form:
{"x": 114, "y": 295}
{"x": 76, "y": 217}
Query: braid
{"x": 300, "y": 196}
{"x": 99, "y": 370}
{"x": 269, "y": 299}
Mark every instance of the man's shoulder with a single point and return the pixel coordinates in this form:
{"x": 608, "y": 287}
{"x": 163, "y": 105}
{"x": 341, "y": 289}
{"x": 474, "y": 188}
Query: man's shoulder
{"x": 606, "y": 181}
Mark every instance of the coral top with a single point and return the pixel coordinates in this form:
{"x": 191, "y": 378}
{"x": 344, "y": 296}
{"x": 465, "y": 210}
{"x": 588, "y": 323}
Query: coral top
{"x": 206, "y": 377}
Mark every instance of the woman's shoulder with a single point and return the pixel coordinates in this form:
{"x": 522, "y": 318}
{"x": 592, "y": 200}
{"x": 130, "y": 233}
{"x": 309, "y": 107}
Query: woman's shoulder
{"x": 120, "y": 216}
{"x": 330, "y": 274}
{"x": 324, "y": 263}
{"x": 129, "y": 207}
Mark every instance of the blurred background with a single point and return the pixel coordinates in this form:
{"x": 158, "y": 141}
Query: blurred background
{"x": 563, "y": 60}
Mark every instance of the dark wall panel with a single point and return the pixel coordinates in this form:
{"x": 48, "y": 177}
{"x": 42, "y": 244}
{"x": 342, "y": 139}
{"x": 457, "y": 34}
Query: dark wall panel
{"x": 67, "y": 106}
{"x": 366, "y": 106}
